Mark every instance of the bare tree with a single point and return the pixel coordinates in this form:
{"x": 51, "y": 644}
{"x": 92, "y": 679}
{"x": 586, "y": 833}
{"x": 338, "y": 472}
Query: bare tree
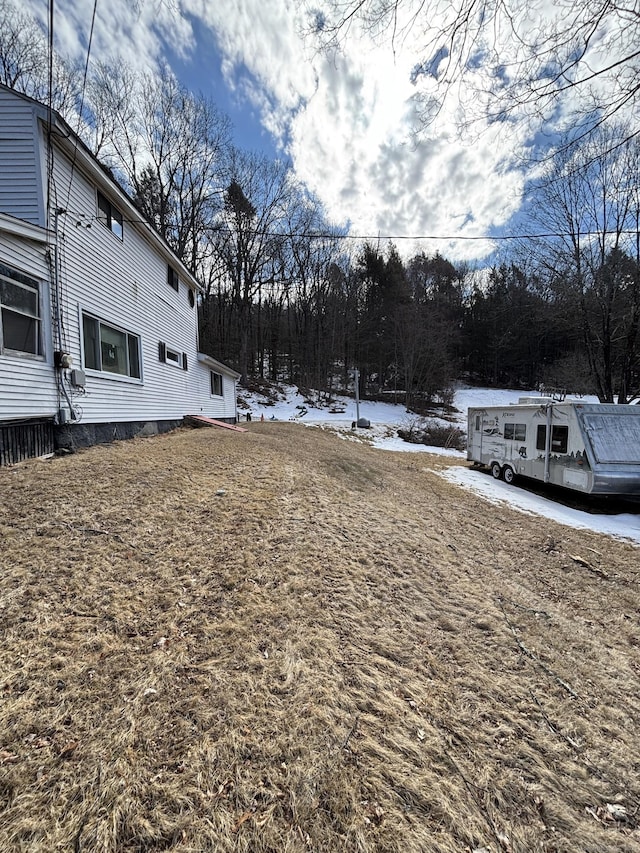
{"x": 313, "y": 249}
{"x": 169, "y": 145}
{"x": 250, "y": 236}
{"x": 518, "y": 55}
{"x": 591, "y": 200}
{"x": 24, "y": 62}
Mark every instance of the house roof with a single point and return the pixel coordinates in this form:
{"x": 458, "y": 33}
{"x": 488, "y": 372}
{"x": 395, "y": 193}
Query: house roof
{"x": 21, "y": 228}
{"x": 218, "y": 365}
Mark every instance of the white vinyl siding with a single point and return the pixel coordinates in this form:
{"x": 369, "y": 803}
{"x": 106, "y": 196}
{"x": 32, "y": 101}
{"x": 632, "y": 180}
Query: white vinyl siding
{"x": 21, "y": 192}
{"x": 124, "y": 285}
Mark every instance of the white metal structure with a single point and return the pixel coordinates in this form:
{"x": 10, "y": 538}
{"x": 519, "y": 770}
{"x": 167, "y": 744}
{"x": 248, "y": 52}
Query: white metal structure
{"x": 589, "y": 447}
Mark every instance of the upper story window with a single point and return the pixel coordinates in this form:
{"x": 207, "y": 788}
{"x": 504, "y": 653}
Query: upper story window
{"x": 20, "y": 312}
{"x": 172, "y": 278}
{"x": 110, "y": 216}
{"x": 110, "y": 349}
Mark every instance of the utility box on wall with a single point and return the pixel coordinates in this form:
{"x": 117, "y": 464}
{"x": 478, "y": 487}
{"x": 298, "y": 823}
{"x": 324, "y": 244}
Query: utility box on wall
{"x": 78, "y": 378}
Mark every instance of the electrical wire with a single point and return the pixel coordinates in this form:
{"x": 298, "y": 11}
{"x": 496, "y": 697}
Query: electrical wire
{"x": 84, "y": 87}
{"x": 50, "y": 111}
{"x": 289, "y": 235}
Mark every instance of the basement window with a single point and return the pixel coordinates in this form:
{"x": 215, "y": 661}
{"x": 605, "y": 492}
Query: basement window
{"x": 109, "y": 349}
{"x": 216, "y": 383}
{"x": 19, "y": 312}
{"x": 110, "y": 216}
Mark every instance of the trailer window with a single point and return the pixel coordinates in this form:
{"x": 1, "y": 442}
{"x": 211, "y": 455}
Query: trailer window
{"x": 559, "y": 438}
{"x": 515, "y": 432}
{"x": 478, "y": 424}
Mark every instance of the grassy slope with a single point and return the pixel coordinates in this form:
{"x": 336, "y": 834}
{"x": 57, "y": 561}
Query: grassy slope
{"x": 341, "y": 653}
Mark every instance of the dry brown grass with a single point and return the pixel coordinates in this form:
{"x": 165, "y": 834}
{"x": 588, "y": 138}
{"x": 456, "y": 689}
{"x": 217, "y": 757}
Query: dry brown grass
{"x": 341, "y": 653}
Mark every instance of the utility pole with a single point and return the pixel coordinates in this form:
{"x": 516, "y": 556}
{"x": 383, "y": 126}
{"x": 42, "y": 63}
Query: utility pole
{"x": 356, "y": 377}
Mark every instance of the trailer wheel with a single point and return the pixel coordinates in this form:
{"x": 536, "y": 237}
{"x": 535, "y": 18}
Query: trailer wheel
{"x": 496, "y": 470}
{"x": 508, "y": 474}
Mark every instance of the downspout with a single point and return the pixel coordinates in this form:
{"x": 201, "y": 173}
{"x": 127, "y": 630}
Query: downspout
{"x": 547, "y": 442}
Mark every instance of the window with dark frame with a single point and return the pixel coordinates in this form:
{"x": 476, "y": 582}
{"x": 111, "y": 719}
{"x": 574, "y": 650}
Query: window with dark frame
{"x": 515, "y": 432}
{"x": 110, "y": 216}
{"x": 172, "y": 278}
{"x": 19, "y": 312}
{"x": 109, "y": 349}
{"x": 559, "y": 438}
{"x": 216, "y": 383}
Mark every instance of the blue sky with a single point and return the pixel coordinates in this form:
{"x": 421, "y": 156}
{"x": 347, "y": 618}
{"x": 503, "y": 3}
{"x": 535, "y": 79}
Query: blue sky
{"x": 348, "y": 123}
{"x": 200, "y": 71}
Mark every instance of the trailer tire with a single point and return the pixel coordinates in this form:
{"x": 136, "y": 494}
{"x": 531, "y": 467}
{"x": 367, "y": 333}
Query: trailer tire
{"x": 496, "y": 470}
{"x": 508, "y": 475}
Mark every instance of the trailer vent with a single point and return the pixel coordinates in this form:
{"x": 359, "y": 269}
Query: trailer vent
{"x": 25, "y": 440}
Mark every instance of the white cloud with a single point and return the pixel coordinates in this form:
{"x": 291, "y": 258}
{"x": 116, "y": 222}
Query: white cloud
{"x": 347, "y": 121}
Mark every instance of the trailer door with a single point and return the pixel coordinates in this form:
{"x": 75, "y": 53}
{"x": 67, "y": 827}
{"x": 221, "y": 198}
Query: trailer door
{"x": 474, "y": 435}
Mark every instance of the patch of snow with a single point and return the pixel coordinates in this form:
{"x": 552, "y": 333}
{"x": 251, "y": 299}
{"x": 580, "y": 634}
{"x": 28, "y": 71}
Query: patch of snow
{"x": 387, "y": 418}
{"x": 621, "y": 526}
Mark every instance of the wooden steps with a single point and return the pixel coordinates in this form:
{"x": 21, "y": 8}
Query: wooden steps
{"x": 203, "y": 420}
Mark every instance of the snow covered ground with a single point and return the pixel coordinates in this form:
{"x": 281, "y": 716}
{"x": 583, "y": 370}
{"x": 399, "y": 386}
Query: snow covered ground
{"x": 387, "y": 418}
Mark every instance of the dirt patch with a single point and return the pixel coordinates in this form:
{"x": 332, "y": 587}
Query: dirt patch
{"x": 281, "y": 641}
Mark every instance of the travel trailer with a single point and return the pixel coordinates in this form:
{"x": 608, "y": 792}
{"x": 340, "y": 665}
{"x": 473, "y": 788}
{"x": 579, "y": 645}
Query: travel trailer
{"x": 592, "y": 448}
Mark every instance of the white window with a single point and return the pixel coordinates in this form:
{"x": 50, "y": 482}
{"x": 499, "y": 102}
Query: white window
{"x": 110, "y": 349}
{"x": 20, "y": 311}
{"x": 110, "y": 216}
{"x": 216, "y": 384}
{"x": 169, "y": 355}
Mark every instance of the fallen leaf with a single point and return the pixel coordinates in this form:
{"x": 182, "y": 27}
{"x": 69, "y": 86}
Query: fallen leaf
{"x": 69, "y": 748}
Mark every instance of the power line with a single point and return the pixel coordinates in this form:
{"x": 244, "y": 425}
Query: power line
{"x": 84, "y": 87}
{"x": 370, "y": 238}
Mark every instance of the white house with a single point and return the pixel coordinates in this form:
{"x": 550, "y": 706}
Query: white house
{"x": 99, "y": 328}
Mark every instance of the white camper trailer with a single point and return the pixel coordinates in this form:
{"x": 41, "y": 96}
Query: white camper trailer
{"x": 590, "y": 447}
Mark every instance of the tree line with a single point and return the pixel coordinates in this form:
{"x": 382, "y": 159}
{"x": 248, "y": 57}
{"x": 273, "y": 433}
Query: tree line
{"x": 286, "y": 295}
